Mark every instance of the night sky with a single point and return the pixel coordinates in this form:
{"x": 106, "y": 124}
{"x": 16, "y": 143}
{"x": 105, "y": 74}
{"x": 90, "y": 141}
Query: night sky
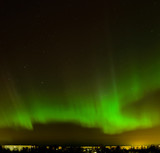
{"x": 79, "y": 71}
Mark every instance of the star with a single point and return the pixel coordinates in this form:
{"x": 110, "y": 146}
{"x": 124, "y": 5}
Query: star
{"x": 42, "y": 82}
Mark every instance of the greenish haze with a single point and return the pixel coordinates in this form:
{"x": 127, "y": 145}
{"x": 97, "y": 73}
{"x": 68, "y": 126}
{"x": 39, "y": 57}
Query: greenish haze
{"x": 104, "y": 108}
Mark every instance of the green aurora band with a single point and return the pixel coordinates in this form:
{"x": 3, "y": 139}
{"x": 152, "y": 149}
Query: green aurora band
{"x": 103, "y": 109}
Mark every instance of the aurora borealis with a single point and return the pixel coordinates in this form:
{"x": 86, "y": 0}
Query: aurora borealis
{"x": 88, "y": 67}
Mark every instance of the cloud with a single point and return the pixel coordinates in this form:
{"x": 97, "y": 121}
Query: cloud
{"x": 69, "y": 133}
{"x": 148, "y": 105}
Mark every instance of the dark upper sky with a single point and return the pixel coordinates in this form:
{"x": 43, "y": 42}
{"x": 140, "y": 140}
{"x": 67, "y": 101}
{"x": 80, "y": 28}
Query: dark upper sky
{"x": 79, "y": 71}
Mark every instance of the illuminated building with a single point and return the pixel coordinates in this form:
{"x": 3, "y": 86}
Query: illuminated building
{"x": 17, "y": 147}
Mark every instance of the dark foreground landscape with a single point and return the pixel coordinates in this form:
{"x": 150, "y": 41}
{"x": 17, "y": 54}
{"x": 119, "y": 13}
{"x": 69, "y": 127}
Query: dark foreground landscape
{"x": 79, "y": 149}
